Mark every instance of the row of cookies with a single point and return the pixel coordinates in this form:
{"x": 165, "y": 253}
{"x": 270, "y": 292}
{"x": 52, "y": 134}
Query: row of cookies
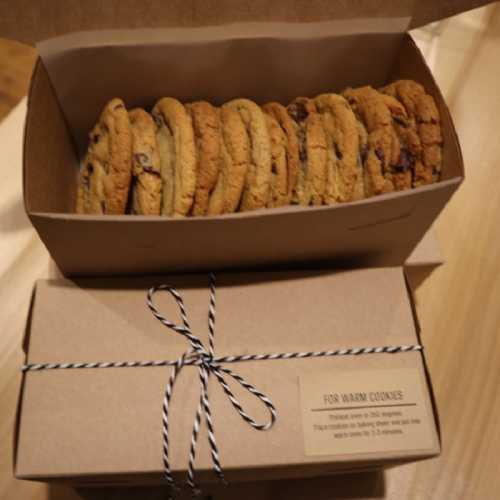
{"x": 196, "y": 159}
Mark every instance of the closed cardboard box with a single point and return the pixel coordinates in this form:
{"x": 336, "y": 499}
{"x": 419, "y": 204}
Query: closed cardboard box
{"x": 333, "y": 413}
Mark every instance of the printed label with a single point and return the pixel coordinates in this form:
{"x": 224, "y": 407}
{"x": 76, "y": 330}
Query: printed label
{"x": 365, "y": 412}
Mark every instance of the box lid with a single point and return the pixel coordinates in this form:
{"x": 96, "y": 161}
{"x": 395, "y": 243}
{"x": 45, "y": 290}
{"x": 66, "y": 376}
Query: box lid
{"x": 113, "y": 416}
{"x": 29, "y": 22}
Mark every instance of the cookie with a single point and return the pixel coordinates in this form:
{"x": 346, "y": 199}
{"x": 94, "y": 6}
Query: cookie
{"x": 342, "y": 135}
{"x": 146, "y": 181}
{"x": 234, "y": 163}
{"x": 311, "y": 181}
{"x": 290, "y": 128}
{"x": 383, "y": 144}
{"x": 278, "y": 195}
{"x": 175, "y": 139}
{"x": 104, "y": 181}
{"x": 359, "y": 188}
{"x": 424, "y": 117}
{"x": 410, "y": 152}
{"x": 207, "y": 136}
{"x": 257, "y": 183}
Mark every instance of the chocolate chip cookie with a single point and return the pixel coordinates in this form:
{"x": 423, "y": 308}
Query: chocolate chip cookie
{"x": 410, "y": 151}
{"x": 359, "y": 187}
{"x": 342, "y": 135}
{"x": 175, "y": 139}
{"x": 234, "y": 163}
{"x": 257, "y": 184}
{"x": 279, "y": 170}
{"x": 383, "y": 144}
{"x": 146, "y": 183}
{"x": 311, "y": 139}
{"x": 104, "y": 180}
{"x": 290, "y": 128}
{"x": 207, "y": 135}
{"x": 424, "y": 117}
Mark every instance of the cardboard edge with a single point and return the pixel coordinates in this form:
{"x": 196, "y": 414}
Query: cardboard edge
{"x": 25, "y": 346}
{"x": 207, "y": 479}
{"x": 428, "y": 380}
{"x": 289, "y": 210}
{"x": 29, "y": 110}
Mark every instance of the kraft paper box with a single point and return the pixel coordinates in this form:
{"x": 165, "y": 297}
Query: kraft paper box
{"x": 334, "y": 414}
{"x": 342, "y": 44}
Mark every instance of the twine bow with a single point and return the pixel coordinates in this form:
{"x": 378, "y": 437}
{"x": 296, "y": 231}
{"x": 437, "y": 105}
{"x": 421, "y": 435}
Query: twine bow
{"x": 207, "y": 365}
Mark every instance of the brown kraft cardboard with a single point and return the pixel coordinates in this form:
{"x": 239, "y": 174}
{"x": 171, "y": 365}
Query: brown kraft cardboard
{"x": 113, "y": 416}
{"x": 376, "y": 231}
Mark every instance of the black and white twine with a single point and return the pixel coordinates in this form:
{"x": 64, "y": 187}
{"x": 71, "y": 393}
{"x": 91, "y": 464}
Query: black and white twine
{"x": 208, "y": 364}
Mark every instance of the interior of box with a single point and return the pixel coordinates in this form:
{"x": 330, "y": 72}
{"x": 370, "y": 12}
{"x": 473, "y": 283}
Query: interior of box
{"x": 262, "y": 68}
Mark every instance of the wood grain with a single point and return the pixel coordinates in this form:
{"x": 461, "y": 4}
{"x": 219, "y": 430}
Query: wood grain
{"x": 16, "y": 65}
{"x": 457, "y": 305}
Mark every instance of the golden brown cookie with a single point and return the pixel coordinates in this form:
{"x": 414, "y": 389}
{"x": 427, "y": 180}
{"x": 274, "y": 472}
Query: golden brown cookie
{"x": 257, "y": 184}
{"x": 207, "y": 134}
{"x": 234, "y": 163}
{"x": 359, "y": 188}
{"x": 146, "y": 185}
{"x": 410, "y": 153}
{"x": 290, "y": 128}
{"x": 175, "y": 139}
{"x": 383, "y": 144}
{"x": 278, "y": 196}
{"x": 311, "y": 182}
{"x": 424, "y": 117}
{"x": 342, "y": 137}
{"x": 104, "y": 180}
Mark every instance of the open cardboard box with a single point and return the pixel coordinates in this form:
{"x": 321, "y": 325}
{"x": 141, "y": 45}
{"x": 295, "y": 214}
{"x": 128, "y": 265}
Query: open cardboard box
{"x": 76, "y": 74}
{"x": 98, "y": 319}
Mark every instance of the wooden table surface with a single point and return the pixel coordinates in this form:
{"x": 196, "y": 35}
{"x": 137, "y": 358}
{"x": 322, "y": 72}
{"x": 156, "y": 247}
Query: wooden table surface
{"x": 457, "y": 305}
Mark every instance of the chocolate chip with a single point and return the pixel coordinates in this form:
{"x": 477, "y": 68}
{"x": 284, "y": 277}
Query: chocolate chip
{"x": 303, "y": 154}
{"x": 337, "y": 151}
{"x": 90, "y": 168}
{"x": 380, "y": 155}
{"x": 158, "y": 120}
{"x": 405, "y": 161}
{"x": 400, "y": 121}
{"x": 95, "y": 138}
{"x": 150, "y": 170}
{"x": 298, "y": 112}
{"x": 363, "y": 152}
{"x": 274, "y": 168}
{"x": 142, "y": 159}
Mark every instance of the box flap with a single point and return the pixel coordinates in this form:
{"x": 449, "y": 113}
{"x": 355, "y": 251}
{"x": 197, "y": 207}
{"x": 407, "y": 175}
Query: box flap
{"x": 427, "y": 11}
{"x": 30, "y": 22}
{"x": 113, "y": 419}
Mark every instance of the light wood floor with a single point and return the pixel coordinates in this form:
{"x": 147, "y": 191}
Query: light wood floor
{"x": 458, "y": 305}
